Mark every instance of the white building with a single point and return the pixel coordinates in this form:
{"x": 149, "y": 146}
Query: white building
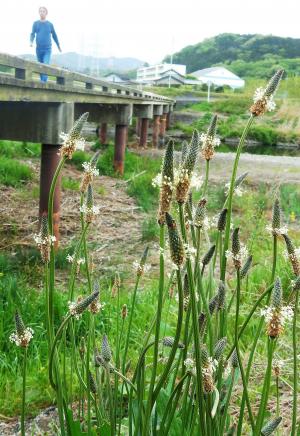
{"x": 155, "y": 72}
{"x": 219, "y": 76}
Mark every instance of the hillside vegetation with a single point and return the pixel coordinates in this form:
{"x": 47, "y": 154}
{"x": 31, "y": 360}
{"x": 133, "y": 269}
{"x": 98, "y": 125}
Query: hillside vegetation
{"x": 247, "y": 55}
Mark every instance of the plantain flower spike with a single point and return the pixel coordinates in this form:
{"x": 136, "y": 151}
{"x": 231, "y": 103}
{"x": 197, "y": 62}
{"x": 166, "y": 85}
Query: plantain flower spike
{"x": 23, "y": 335}
{"x": 292, "y": 255}
{"x": 92, "y": 383}
{"x": 234, "y": 359}
{"x": 222, "y": 220}
{"x": 175, "y": 242}
{"x": 167, "y": 183}
{"x": 276, "y": 315}
{"x": 271, "y": 426}
{"x": 221, "y": 295}
{"x": 105, "y": 349}
{"x": 76, "y": 309}
{"x": 184, "y": 151}
{"x": 200, "y": 213}
{"x": 208, "y": 256}
{"x": 73, "y": 141}
{"x": 186, "y": 293}
{"x": 246, "y": 267}
{"x": 89, "y": 209}
{"x": 168, "y": 341}
{"x": 187, "y": 168}
{"x": 209, "y": 139}
{"x": 219, "y": 348}
{"x": 263, "y": 97}
{"x": 208, "y": 368}
{"x": 44, "y": 240}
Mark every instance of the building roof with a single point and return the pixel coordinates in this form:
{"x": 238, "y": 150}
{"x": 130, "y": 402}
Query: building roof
{"x": 210, "y": 72}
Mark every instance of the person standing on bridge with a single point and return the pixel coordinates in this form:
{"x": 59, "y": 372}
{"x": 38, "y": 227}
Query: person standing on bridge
{"x": 43, "y": 30}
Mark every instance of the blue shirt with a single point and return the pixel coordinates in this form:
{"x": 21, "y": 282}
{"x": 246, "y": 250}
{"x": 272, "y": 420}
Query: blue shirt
{"x": 43, "y": 31}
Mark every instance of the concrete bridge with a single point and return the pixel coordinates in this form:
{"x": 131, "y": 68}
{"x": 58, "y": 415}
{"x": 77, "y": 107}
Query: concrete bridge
{"x": 31, "y": 110}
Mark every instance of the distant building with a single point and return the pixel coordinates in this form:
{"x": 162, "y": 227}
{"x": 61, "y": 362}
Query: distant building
{"x": 219, "y": 76}
{"x": 151, "y": 75}
{"x": 112, "y": 77}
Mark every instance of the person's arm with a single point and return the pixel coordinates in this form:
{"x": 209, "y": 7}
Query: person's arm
{"x": 33, "y": 32}
{"x": 54, "y": 36}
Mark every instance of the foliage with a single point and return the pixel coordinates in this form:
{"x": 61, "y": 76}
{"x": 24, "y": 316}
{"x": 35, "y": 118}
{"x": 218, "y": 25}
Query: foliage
{"x": 14, "y": 173}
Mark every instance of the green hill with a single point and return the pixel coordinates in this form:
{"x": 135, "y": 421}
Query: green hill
{"x": 247, "y": 55}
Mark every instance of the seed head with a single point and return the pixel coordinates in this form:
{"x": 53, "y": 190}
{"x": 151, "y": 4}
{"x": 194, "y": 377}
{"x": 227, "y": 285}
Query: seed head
{"x": 23, "y": 335}
{"x": 124, "y": 311}
{"x": 184, "y": 151}
{"x": 277, "y": 294}
{"x": 186, "y": 293}
{"x": 175, "y": 242}
{"x": 72, "y": 141}
{"x": 274, "y": 83}
{"x": 76, "y": 309}
{"x": 202, "y": 319}
{"x": 247, "y": 265}
{"x": 212, "y": 305}
{"x": 20, "y": 327}
{"x": 234, "y": 359}
{"x": 200, "y": 213}
{"x": 276, "y": 218}
{"x": 92, "y": 382}
{"x": 271, "y": 426}
{"x": 167, "y": 183}
{"x": 209, "y": 139}
{"x": 168, "y": 341}
{"x": 296, "y": 284}
{"x": 208, "y": 256}
{"x": 263, "y": 98}
{"x": 292, "y": 255}
{"x": 105, "y": 349}
{"x": 222, "y": 220}
{"x": 221, "y": 295}
{"x": 219, "y": 348}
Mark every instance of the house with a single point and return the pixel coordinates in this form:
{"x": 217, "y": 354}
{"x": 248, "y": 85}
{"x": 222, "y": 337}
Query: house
{"x": 150, "y": 75}
{"x": 112, "y": 77}
{"x": 219, "y": 76}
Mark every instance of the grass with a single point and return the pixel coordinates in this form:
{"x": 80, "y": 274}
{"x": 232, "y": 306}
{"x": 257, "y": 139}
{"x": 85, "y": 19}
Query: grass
{"x": 14, "y": 173}
{"x": 14, "y": 149}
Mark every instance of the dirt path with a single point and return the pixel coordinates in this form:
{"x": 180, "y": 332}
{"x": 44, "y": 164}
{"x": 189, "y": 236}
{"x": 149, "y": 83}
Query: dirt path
{"x": 115, "y": 236}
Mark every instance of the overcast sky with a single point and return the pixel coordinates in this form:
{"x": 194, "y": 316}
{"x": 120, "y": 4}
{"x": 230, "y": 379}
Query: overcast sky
{"x": 147, "y": 30}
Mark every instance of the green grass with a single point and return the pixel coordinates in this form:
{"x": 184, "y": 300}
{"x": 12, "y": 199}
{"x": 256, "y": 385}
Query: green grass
{"x": 15, "y": 149}
{"x": 78, "y": 158}
{"x": 149, "y": 229}
{"x": 14, "y": 173}
{"x": 69, "y": 183}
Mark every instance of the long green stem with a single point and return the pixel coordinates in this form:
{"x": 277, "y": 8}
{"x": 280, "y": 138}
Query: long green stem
{"x": 230, "y": 195}
{"x": 266, "y": 388}
{"x": 53, "y": 348}
{"x": 157, "y": 327}
{"x": 196, "y": 332}
{"x": 295, "y": 362}
{"x": 237, "y": 347}
{"x": 24, "y": 393}
{"x": 206, "y": 178}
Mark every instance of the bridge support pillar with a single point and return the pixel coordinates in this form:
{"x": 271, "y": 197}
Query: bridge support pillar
{"x": 162, "y": 130}
{"x": 49, "y": 162}
{"x": 138, "y": 127}
{"x": 168, "y": 120}
{"x": 144, "y": 132}
{"x": 103, "y": 133}
{"x": 157, "y": 112}
{"x": 120, "y": 146}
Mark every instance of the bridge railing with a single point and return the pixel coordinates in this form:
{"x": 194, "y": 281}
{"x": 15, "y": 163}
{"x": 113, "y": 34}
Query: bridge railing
{"x": 27, "y": 71}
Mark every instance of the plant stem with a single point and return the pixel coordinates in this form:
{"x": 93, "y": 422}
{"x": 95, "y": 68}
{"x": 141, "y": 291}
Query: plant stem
{"x": 206, "y": 178}
{"x": 23, "y": 393}
{"x": 157, "y": 329}
{"x": 230, "y": 195}
{"x": 295, "y": 359}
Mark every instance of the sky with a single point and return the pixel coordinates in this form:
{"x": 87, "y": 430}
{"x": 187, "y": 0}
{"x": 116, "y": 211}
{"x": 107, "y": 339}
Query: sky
{"x": 147, "y": 30}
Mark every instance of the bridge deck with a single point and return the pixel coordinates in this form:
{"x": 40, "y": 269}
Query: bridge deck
{"x": 19, "y": 81}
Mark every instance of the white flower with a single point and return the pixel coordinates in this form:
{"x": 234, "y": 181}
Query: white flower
{"x": 238, "y": 191}
{"x": 209, "y": 141}
{"x": 47, "y": 240}
{"x": 259, "y": 95}
{"x": 68, "y": 143}
{"x": 91, "y": 211}
{"x": 70, "y": 258}
{"x": 210, "y": 367}
{"x": 286, "y": 255}
{"x": 277, "y": 232}
{"x": 90, "y": 169}
{"x": 140, "y": 269}
{"x": 72, "y": 309}
{"x": 240, "y": 257}
{"x": 284, "y": 314}
{"x": 189, "y": 364}
{"x": 24, "y": 339}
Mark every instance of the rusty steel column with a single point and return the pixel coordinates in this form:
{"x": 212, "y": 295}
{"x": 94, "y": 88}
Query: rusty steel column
{"x": 168, "y": 120}
{"x": 138, "y": 127}
{"x": 120, "y": 145}
{"x": 162, "y": 130}
{"x": 49, "y": 162}
{"x": 155, "y": 130}
{"x": 144, "y": 132}
{"x": 103, "y": 133}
